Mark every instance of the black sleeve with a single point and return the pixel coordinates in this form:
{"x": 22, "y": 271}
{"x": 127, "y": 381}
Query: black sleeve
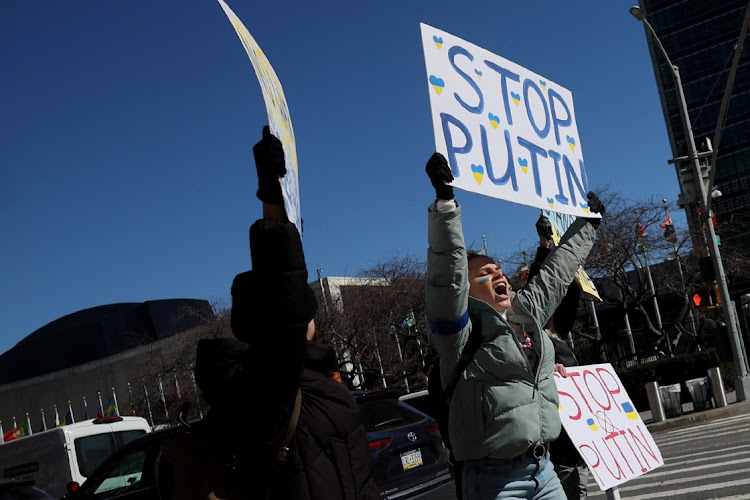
{"x": 541, "y": 254}
{"x": 566, "y": 313}
{"x": 271, "y": 308}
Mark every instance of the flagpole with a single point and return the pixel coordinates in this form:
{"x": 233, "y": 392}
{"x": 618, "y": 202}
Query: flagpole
{"x": 177, "y": 386}
{"x": 44, "y": 421}
{"x": 2, "y": 434}
{"x": 148, "y": 405}
{"x": 693, "y": 328}
{"x": 57, "y": 417}
{"x": 114, "y": 396}
{"x": 70, "y": 409}
{"x": 163, "y": 399}
{"x": 197, "y": 394}
{"x": 131, "y": 401}
{"x": 100, "y": 413}
{"x": 28, "y": 424}
{"x": 85, "y": 408}
{"x": 659, "y": 324}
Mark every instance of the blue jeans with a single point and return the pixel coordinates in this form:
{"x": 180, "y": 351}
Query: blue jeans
{"x": 516, "y": 478}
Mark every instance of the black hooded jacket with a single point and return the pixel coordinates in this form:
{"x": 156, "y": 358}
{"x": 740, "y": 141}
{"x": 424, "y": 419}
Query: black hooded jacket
{"x": 251, "y": 384}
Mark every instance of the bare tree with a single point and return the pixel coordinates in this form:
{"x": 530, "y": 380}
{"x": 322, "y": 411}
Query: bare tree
{"x": 378, "y": 326}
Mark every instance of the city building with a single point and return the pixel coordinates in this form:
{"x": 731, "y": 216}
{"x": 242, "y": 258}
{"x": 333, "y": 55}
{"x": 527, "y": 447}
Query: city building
{"x": 699, "y": 37}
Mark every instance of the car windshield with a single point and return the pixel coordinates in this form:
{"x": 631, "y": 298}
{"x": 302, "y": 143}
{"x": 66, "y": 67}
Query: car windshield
{"x": 123, "y": 474}
{"x": 92, "y": 450}
{"x": 384, "y": 414}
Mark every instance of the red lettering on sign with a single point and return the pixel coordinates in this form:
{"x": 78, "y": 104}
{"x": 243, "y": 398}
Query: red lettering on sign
{"x": 617, "y": 465}
{"x": 643, "y": 446}
{"x": 588, "y": 376}
{"x": 587, "y": 457}
{"x": 612, "y": 437}
{"x": 572, "y": 376}
{"x": 616, "y": 390}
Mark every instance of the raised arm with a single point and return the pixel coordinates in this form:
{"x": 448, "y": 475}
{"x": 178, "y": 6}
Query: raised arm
{"x": 447, "y": 288}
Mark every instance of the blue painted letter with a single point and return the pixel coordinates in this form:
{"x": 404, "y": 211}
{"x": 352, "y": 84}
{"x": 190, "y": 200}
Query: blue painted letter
{"x": 452, "y": 55}
{"x": 543, "y": 132}
{"x": 555, "y": 119}
{"x": 534, "y": 151}
{"x": 504, "y": 75}
{"x": 452, "y": 149}
{"x": 510, "y": 173}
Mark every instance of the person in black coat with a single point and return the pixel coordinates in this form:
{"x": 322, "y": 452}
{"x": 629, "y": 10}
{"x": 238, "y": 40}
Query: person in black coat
{"x": 569, "y": 466}
{"x": 252, "y": 382}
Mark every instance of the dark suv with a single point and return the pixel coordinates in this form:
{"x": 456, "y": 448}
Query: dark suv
{"x": 408, "y": 456}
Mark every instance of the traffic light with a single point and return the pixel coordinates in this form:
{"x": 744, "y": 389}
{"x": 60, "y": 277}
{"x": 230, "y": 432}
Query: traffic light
{"x": 706, "y": 298}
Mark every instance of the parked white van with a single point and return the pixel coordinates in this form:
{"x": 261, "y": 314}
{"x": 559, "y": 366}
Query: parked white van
{"x": 58, "y": 457}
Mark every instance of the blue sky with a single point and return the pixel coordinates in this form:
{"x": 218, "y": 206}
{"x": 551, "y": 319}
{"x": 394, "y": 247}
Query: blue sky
{"x": 126, "y": 134}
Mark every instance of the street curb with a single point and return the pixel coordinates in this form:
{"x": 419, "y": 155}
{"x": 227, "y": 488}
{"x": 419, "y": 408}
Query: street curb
{"x": 701, "y": 417}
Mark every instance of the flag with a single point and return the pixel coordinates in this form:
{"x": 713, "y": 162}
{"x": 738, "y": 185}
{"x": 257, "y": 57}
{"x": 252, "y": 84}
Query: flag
{"x": 667, "y": 222}
{"x": 669, "y": 233}
{"x": 111, "y": 409}
{"x": 409, "y": 321}
{"x": 68, "y": 419}
{"x": 640, "y": 231}
{"x": 17, "y": 432}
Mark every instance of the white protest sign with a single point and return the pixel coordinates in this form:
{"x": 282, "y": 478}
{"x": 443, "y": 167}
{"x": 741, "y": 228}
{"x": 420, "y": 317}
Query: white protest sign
{"x": 560, "y": 224}
{"x": 279, "y": 119}
{"x": 604, "y": 426}
{"x": 506, "y": 132}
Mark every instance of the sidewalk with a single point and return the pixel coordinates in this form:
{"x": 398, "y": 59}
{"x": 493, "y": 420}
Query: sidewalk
{"x": 690, "y": 417}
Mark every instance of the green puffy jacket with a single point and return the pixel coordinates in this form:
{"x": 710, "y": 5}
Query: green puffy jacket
{"x": 499, "y": 407}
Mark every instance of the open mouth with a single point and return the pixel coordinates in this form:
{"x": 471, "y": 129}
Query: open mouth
{"x": 501, "y": 289}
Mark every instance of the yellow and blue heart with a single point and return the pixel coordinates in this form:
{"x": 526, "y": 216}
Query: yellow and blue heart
{"x": 543, "y": 84}
{"x": 585, "y": 207}
{"x": 592, "y": 424}
{"x": 479, "y": 73}
{"x": 629, "y": 411}
{"x": 478, "y": 171}
{"x": 516, "y": 97}
{"x": 551, "y": 202}
{"x": 524, "y": 163}
{"x": 571, "y": 142}
{"x": 494, "y": 119}
{"x": 437, "y": 83}
{"x": 438, "y": 41}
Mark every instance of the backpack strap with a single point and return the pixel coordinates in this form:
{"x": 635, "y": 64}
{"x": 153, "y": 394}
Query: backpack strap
{"x": 467, "y": 354}
{"x": 284, "y": 448}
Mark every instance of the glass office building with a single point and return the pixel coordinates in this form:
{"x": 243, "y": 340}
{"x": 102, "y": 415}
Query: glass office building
{"x": 700, "y": 36}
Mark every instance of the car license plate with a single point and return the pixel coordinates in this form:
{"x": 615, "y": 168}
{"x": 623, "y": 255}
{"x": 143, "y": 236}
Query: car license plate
{"x": 411, "y": 459}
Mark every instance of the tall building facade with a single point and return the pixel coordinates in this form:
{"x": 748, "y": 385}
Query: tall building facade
{"x": 700, "y": 37}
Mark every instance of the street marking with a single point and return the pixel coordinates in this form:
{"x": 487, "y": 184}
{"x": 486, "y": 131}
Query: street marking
{"x": 676, "y": 493}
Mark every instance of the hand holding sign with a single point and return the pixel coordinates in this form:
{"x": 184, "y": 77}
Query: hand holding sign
{"x": 440, "y": 175}
{"x": 270, "y": 164}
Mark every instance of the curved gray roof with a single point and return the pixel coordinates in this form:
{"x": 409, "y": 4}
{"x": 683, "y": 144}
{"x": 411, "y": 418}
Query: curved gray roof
{"x": 97, "y": 333}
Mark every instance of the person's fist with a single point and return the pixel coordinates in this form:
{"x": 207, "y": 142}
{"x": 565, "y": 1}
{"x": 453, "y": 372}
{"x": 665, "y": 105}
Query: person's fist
{"x": 595, "y": 206}
{"x": 440, "y": 176}
{"x": 270, "y": 164}
{"x": 544, "y": 227}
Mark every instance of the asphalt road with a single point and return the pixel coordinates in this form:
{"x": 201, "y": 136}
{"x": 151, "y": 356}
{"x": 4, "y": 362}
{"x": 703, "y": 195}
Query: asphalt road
{"x": 710, "y": 460}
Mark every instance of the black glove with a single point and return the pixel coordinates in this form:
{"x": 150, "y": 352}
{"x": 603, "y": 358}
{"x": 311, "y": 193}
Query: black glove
{"x": 440, "y": 175}
{"x": 544, "y": 227}
{"x": 595, "y": 206}
{"x": 269, "y": 161}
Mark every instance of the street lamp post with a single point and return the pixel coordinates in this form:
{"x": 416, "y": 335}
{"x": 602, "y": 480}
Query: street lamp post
{"x": 742, "y": 385}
